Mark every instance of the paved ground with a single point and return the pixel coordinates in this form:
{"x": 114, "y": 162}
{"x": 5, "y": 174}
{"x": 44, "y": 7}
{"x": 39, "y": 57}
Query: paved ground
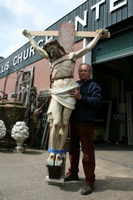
{"x": 22, "y": 176}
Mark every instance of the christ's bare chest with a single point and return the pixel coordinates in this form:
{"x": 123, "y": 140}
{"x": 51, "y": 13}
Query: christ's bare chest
{"x": 63, "y": 67}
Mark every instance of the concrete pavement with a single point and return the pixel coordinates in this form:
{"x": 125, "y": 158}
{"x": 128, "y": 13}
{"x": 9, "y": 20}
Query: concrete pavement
{"x": 22, "y": 176}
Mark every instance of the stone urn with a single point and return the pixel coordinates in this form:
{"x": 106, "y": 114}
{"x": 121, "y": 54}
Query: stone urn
{"x": 20, "y": 132}
{"x": 2, "y": 129}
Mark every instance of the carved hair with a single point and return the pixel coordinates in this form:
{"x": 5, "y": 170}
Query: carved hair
{"x": 54, "y": 42}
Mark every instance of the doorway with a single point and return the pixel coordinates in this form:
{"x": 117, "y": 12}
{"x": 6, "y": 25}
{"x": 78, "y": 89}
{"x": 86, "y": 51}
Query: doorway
{"x": 129, "y": 97}
{"x": 116, "y": 78}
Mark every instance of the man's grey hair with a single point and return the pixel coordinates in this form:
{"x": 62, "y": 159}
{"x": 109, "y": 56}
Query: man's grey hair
{"x": 89, "y": 67}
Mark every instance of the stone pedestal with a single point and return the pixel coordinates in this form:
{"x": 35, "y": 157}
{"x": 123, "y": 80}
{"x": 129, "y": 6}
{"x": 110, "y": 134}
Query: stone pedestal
{"x": 10, "y": 113}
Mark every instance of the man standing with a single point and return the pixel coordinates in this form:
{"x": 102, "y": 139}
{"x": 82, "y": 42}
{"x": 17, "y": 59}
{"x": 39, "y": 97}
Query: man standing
{"x": 89, "y": 100}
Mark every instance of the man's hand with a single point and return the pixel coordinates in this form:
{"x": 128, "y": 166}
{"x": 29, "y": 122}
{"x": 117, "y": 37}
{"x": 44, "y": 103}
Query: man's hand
{"x": 76, "y": 93}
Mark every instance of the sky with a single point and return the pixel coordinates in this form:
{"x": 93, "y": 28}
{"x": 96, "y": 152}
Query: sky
{"x": 34, "y": 15}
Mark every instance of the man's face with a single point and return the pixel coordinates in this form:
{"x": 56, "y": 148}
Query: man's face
{"x": 84, "y": 73}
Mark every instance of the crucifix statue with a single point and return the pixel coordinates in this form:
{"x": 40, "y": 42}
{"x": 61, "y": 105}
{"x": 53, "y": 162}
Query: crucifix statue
{"x": 62, "y": 59}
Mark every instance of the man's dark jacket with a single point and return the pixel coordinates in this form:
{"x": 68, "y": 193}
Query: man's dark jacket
{"x": 91, "y": 101}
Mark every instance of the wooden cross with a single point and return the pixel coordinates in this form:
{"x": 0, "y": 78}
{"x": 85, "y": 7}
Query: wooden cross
{"x": 66, "y": 35}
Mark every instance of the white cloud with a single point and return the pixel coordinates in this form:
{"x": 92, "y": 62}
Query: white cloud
{"x": 12, "y": 48}
{"x": 16, "y": 6}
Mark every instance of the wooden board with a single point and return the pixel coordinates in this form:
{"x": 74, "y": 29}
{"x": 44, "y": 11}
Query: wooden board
{"x": 77, "y": 33}
{"x": 66, "y": 36}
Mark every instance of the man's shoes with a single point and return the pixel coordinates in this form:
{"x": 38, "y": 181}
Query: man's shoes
{"x": 71, "y": 177}
{"x": 87, "y": 189}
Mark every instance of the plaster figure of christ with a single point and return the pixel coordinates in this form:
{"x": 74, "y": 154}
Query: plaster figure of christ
{"x": 62, "y": 102}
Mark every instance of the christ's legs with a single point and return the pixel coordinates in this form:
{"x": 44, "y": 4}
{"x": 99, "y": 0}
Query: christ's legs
{"x": 63, "y": 134}
{"x": 58, "y": 132}
{"x": 54, "y": 129}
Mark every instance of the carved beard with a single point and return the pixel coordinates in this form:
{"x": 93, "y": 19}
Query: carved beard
{"x": 56, "y": 55}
